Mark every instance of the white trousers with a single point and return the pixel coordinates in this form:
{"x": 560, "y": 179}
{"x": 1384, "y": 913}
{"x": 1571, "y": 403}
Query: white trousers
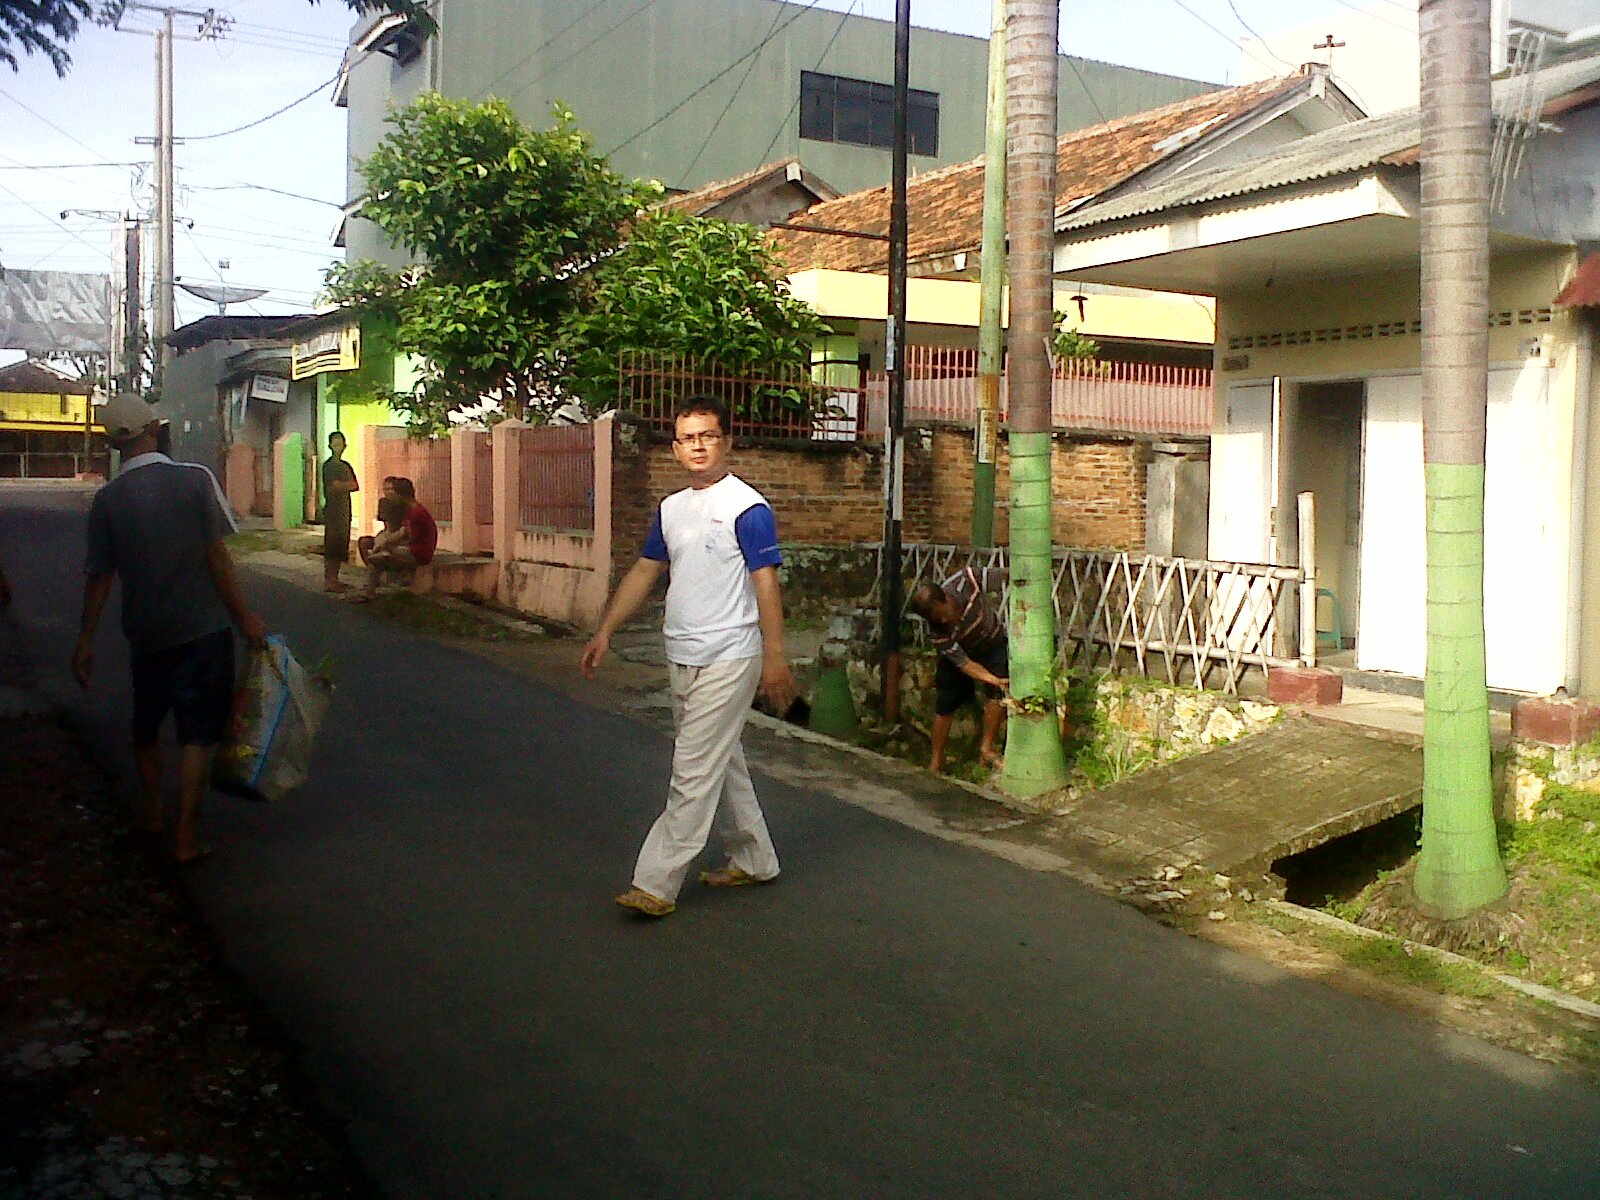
{"x": 710, "y": 781}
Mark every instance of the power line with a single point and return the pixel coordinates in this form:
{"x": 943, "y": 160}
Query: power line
{"x": 759, "y": 46}
{"x": 777, "y": 14}
{"x": 40, "y": 116}
{"x": 206, "y": 137}
{"x": 784, "y": 124}
{"x": 600, "y": 37}
{"x": 259, "y": 187}
{"x": 1237, "y": 16}
{"x": 546, "y": 44}
{"x": 12, "y": 164}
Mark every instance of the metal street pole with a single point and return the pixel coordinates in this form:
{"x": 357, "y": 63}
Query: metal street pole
{"x": 894, "y": 435}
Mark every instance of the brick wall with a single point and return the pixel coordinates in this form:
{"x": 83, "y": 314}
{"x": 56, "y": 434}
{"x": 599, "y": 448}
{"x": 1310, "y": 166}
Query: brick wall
{"x": 833, "y": 494}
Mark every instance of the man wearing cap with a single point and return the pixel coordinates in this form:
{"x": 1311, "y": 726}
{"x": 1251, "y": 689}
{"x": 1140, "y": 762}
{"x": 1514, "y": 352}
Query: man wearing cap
{"x": 159, "y": 526}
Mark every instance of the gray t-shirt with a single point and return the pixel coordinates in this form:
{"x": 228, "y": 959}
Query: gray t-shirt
{"x": 152, "y": 526}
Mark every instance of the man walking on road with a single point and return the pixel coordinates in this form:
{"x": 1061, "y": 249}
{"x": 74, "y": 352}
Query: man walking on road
{"x": 160, "y": 525}
{"x": 724, "y": 635}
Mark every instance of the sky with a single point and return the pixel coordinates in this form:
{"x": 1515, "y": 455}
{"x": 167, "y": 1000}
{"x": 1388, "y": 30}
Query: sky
{"x": 258, "y": 207}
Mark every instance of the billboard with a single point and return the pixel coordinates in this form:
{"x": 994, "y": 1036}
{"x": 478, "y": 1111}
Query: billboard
{"x": 54, "y": 312}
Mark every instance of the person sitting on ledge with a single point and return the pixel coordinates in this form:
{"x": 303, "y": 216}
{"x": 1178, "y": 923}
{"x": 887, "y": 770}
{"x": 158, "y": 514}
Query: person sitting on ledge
{"x": 415, "y": 549}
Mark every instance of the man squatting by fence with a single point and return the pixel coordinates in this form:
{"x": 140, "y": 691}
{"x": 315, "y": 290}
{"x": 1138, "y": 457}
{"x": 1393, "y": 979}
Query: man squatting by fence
{"x": 970, "y": 637}
{"x": 724, "y": 638}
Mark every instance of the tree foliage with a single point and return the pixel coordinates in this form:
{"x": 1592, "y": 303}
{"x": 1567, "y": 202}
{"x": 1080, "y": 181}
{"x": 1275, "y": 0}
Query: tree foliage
{"x": 46, "y": 26}
{"x": 536, "y": 265}
{"x": 503, "y": 222}
{"x": 691, "y": 288}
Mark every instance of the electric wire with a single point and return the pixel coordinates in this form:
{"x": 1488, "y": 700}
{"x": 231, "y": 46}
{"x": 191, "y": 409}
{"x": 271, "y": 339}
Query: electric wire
{"x": 278, "y": 112}
{"x": 546, "y": 44}
{"x": 788, "y": 116}
{"x": 756, "y": 49}
{"x": 561, "y": 62}
{"x": 1265, "y": 45}
{"x": 688, "y": 171}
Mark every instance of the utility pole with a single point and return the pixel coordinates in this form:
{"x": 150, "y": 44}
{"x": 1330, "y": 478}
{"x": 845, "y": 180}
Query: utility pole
{"x": 164, "y": 273}
{"x": 992, "y": 276}
{"x": 1034, "y": 761}
{"x": 894, "y": 435}
{"x": 162, "y": 301}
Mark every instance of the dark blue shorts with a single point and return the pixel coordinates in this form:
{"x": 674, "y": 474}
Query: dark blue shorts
{"x": 194, "y": 682}
{"x": 952, "y": 687}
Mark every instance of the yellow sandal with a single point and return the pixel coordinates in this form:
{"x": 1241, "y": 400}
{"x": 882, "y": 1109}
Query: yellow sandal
{"x": 642, "y": 902}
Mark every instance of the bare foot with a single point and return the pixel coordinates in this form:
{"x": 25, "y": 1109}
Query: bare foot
{"x": 991, "y": 759}
{"x": 335, "y": 586}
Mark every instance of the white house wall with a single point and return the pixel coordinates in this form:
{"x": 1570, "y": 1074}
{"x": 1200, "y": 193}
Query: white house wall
{"x": 1529, "y": 457}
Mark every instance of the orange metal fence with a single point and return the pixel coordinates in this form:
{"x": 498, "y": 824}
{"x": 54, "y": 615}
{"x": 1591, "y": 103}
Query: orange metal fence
{"x": 426, "y": 462}
{"x": 779, "y": 403}
{"x": 483, "y": 476}
{"x": 557, "y": 477}
{"x": 1128, "y": 397}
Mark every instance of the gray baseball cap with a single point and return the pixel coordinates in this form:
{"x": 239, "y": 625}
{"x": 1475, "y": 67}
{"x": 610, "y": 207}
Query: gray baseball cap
{"x": 126, "y": 416}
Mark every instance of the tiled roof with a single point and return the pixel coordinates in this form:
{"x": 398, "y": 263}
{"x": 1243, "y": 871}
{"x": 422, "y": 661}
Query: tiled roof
{"x": 703, "y": 199}
{"x": 29, "y": 377}
{"x": 945, "y": 207}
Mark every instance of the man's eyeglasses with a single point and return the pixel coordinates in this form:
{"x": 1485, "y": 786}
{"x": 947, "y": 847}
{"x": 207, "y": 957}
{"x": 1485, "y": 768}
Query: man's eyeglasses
{"x": 699, "y": 439}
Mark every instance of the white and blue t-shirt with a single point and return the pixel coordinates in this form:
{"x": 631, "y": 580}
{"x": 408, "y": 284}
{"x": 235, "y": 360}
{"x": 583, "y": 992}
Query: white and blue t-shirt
{"x": 713, "y": 538}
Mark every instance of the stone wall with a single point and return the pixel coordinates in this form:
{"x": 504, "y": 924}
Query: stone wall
{"x": 831, "y": 494}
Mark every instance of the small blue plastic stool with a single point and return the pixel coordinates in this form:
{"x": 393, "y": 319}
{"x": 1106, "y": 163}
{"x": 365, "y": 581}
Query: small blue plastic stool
{"x": 1330, "y": 637}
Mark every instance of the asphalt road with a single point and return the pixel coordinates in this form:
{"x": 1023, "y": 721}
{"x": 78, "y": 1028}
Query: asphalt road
{"x": 898, "y": 1017}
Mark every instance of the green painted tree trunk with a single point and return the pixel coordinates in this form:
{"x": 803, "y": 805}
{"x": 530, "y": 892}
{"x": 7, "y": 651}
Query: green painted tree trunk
{"x": 1459, "y": 869}
{"x": 1035, "y": 763}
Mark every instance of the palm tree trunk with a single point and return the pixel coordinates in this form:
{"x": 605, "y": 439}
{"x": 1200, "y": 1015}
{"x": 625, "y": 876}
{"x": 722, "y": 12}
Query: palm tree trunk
{"x": 1459, "y": 869}
{"x": 1034, "y": 760}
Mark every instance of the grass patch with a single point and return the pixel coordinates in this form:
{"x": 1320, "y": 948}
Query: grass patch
{"x": 423, "y": 615}
{"x": 1392, "y": 960}
{"x": 1566, "y": 831}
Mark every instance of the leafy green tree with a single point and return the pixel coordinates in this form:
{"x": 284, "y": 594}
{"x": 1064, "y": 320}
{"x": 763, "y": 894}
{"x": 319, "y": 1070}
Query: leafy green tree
{"x": 690, "y": 288}
{"x": 46, "y": 26}
{"x": 505, "y": 224}
{"x": 1067, "y": 342}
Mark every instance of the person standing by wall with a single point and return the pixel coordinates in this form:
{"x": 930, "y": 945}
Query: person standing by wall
{"x": 338, "y": 484}
{"x": 159, "y": 527}
{"x": 724, "y": 636}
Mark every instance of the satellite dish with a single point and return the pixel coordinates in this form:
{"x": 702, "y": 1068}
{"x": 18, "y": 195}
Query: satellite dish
{"x": 221, "y": 294}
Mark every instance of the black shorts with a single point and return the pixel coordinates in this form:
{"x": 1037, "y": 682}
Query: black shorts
{"x": 952, "y": 687}
{"x": 336, "y": 539}
{"x": 194, "y": 682}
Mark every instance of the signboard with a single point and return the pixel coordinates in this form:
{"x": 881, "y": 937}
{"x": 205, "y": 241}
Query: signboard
{"x": 269, "y": 387}
{"x": 331, "y": 350}
{"x": 51, "y": 312}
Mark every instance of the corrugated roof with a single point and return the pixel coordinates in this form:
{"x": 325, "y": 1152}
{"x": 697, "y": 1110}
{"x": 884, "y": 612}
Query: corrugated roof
{"x": 1391, "y": 139}
{"x": 945, "y": 206}
{"x": 1584, "y": 289}
{"x": 29, "y": 377}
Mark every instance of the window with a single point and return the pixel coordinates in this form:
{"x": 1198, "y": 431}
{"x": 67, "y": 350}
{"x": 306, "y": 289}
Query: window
{"x": 836, "y": 109}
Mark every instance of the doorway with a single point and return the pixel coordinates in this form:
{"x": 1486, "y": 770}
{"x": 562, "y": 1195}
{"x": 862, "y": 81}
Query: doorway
{"x": 1327, "y": 462}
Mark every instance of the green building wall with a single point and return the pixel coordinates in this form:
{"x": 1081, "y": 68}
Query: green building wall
{"x": 620, "y": 77}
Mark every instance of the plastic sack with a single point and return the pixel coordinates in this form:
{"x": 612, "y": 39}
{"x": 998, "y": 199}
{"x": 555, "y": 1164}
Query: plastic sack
{"x": 276, "y": 714}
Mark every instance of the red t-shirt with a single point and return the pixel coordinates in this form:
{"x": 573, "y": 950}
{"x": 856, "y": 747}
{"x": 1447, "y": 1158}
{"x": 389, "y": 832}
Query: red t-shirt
{"x": 422, "y": 533}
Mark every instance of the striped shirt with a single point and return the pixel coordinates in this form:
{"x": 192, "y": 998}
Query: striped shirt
{"x": 977, "y": 628}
